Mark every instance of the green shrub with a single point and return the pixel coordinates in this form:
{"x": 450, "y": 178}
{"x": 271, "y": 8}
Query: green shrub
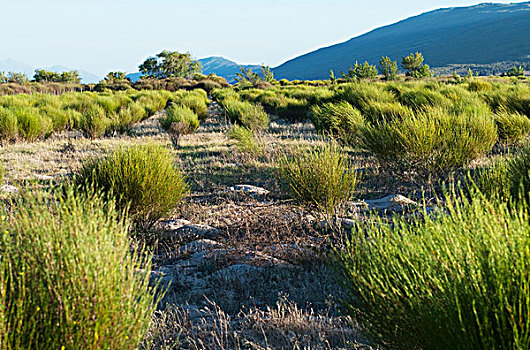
{"x": 143, "y": 178}
{"x": 379, "y": 111}
{"x": 246, "y": 140}
{"x": 8, "y": 125}
{"x": 68, "y": 277}
{"x": 339, "y": 119}
{"x": 179, "y": 120}
{"x": 362, "y": 95}
{"x": 292, "y": 109}
{"x": 421, "y": 98}
{"x": 477, "y": 85}
{"x": 512, "y": 127}
{"x": 246, "y": 114}
{"x": 458, "y": 280}
{"x": 197, "y": 103}
{"x": 493, "y": 181}
{"x": 433, "y": 142}
{"x": 31, "y": 124}
{"x": 323, "y": 177}
{"x": 93, "y": 122}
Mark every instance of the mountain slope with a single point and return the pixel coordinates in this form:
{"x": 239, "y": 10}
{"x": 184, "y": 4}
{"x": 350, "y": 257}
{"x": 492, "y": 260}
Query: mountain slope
{"x": 478, "y": 34}
{"x": 223, "y": 67}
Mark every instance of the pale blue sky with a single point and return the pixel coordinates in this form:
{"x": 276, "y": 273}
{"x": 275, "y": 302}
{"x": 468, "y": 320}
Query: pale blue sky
{"x": 105, "y": 35}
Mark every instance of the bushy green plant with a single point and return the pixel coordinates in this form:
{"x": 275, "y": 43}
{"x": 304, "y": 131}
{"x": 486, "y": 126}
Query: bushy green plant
{"x": 339, "y": 119}
{"x": 196, "y": 101}
{"x": 179, "y": 120}
{"x": 512, "y": 127}
{"x": 93, "y": 122}
{"x": 31, "y": 124}
{"x": 458, "y": 280}
{"x": 429, "y": 142}
{"x": 323, "y": 177}
{"x": 68, "y": 277}
{"x": 246, "y": 140}
{"x": 379, "y": 111}
{"x": 246, "y": 114}
{"x": 143, "y": 178}
{"x": 421, "y": 98}
{"x": 8, "y": 125}
{"x": 292, "y": 109}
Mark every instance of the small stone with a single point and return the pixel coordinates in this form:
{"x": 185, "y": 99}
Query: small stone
{"x": 200, "y": 245}
{"x": 9, "y": 189}
{"x": 393, "y": 202}
{"x": 249, "y": 189}
{"x": 194, "y": 231}
{"x": 172, "y": 225}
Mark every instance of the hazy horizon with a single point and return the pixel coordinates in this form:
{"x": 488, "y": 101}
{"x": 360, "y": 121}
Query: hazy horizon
{"x": 107, "y": 36}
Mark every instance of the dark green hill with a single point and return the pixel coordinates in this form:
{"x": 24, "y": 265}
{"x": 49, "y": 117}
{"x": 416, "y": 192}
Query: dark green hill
{"x": 480, "y": 34}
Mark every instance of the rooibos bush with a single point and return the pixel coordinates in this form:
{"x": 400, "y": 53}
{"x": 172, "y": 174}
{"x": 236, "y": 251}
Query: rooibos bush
{"x": 143, "y": 178}
{"x": 8, "y": 125}
{"x": 339, "y": 119}
{"x": 323, "y": 177}
{"x": 68, "y": 278}
{"x": 512, "y": 127}
{"x": 246, "y": 114}
{"x": 458, "y": 280}
{"x": 179, "y": 120}
{"x": 430, "y": 142}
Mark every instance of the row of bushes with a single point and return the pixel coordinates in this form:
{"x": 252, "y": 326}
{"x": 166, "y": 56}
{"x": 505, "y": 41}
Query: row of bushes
{"x": 33, "y": 117}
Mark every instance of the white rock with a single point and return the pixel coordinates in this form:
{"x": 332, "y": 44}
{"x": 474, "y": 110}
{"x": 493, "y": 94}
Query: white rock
{"x": 249, "y": 189}
{"x": 393, "y": 202}
{"x": 9, "y": 189}
{"x": 200, "y": 245}
{"x": 197, "y": 231}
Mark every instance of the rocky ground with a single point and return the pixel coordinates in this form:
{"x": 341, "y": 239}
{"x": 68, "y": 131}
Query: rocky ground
{"x": 243, "y": 266}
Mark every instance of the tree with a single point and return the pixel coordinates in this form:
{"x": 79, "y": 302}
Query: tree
{"x": 388, "y": 68}
{"x": 332, "y": 77}
{"x": 115, "y": 77}
{"x": 46, "y": 76}
{"x": 267, "y": 74}
{"x": 413, "y": 63}
{"x": 361, "y": 71}
{"x": 247, "y": 76}
{"x": 170, "y": 64}
{"x": 515, "y": 72}
{"x": 19, "y": 78}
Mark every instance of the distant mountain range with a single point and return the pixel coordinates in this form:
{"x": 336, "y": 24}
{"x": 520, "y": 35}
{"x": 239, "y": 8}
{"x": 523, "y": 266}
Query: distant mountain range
{"x": 10, "y": 65}
{"x": 453, "y": 37}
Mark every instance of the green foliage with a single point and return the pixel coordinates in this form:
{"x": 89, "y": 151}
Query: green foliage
{"x": 170, "y": 64}
{"x": 292, "y": 109}
{"x": 323, "y": 178}
{"x": 45, "y": 76}
{"x": 31, "y": 124}
{"x": 246, "y": 140}
{"x": 361, "y": 71}
{"x": 388, "y": 68}
{"x": 8, "y": 125}
{"x": 339, "y": 119}
{"x": 246, "y": 114}
{"x": 195, "y": 100}
{"x": 478, "y": 85}
{"x": 144, "y": 179}
{"x": 512, "y": 127}
{"x": 515, "y": 72}
{"x": 93, "y": 121}
{"x": 68, "y": 278}
{"x": 179, "y": 120}
{"x": 413, "y": 63}
{"x": 459, "y": 279}
{"x": 430, "y": 142}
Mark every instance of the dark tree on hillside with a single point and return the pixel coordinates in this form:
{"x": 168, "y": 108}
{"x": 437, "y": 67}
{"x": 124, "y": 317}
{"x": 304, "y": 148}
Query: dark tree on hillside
{"x": 170, "y": 64}
{"x": 413, "y": 63}
{"x": 388, "y": 68}
{"x": 515, "y": 72}
{"x": 360, "y": 71}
